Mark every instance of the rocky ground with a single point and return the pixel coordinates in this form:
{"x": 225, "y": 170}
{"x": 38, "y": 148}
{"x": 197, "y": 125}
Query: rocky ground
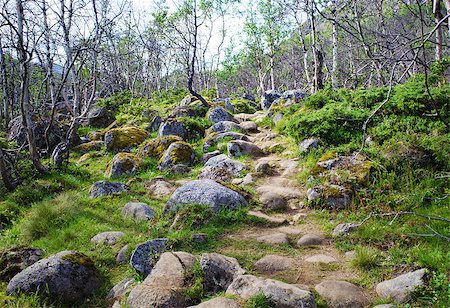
{"x": 290, "y": 260}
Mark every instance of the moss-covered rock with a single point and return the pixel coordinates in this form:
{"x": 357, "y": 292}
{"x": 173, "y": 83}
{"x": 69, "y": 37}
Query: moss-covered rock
{"x": 89, "y": 146}
{"x": 124, "y": 138}
{"x": 178, "y": 153}
{"x": 122, "y": 163}
{"x": 156, "y": 147}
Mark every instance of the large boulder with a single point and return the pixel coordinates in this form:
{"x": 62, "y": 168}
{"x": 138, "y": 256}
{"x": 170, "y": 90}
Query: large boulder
{"x": 400, "y": 288}
{"x": 221, "y": 168}
{"x": 342, "y": 294}
{"x": 145, "y": 255}
{"x": 219, "y": 271}
{"x": 124, "y": 138}
{"x": 213, "y": 139}
{"x": 138, "y": 211}
{"x": 100, "y": 117}
{"x": 238, "y": 148}
{"x": 280, "y": 294}
{"x": 107, "y": 238}
{"x": 105, "y": 188}
{"x": 219, "y": 114}
{"x": 167, "y": 284}
{"x": 15, "y": 259}
{"x": 67, "y": 276}
{"x": 122, "y": 163}
{"x": 224, "y": 126}
{"x": 205, "y": 192}
{"x": 172, "y": 127}
{"x": 268, "y": 98}
{"x": 178, "y": 152}
{"x": 156, "y": 147}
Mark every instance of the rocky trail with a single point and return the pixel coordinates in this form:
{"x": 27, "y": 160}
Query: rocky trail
{"x": 286, "y": 257}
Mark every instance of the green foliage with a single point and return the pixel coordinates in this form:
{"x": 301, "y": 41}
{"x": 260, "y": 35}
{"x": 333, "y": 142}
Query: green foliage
{"x": 196, "y": 125}
{"x": 195, "y": 281}
{"x": 242, "y": 106}
{"x": 436, "y": 292}
{"x": 258, "y": 301}
{"x": 114, "y": 102}
{"x": 366, "y": 258}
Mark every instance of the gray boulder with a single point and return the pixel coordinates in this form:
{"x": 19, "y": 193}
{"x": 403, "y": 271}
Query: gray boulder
{"x": 220, "y": 271}
{"x": 122, "y": 163}
{"x": 205, "y": 192}
{"x": 308, "y": 144}
{"x": 222, "y": 168}
{"x": 249, "y": 127}
{"x": 122, "y": 255}
{"x": 172, "y": 128}
{"x": 14, "y": 260}
{"x": 344, "y": 229}
{"x": 280, "y": 294}
{"x": 268, "y": 98}
{"x": 159, "y": 187}
{"x": 67, "y": 276}
{"x": 145, "y": 255}
{"x": 138, "y": 211}
{"x": 100, "y": 117}
{"x": 108, "y": 238}
{"x": 273, "y": 263}
{"x": 219, "y": 114}
{"x": 178, "y": 152}
{"x": 238, "y": 148}
{"x": 400, "y": 288}
{"x": 224, "y": 126}
{"x": 214, "y": 139}
{"x": 310, "y": 240}
{"x": 166, "y": 285}
{"x": 342, "y": 294}
{"x": 105, "y": 188}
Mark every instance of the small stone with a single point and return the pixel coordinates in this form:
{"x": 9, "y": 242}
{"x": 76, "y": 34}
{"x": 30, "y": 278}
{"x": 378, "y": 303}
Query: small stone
{"x": 107, "y": 238}
{"x": 105, "y": 188}
{"x": 400, "y": 288}
{"x": 273, "y": 263}
{"x": 144, "y": 255}
{"x": 138, "y": 211}
{"x": 218, "y": 302}
{"x": 342, "y": 294}
{"x": 122, "y": 255}
{"x": 273, "y": 201}
{"x": 270, "y": 219}
{"x": 308, "y": 144}
{"x": 310, "y": 240}
{"x": 321, "y": 258}
{"x": 199, "y": 238}
{"x": 344, "y": 229}
{"x": 275, "y": 238}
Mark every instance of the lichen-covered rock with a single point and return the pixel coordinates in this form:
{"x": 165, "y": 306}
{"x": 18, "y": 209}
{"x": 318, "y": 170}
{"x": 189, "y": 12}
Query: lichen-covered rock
{"x": 342, "y": 294}
{"x": 205, "y": 192}
{"x": 239, "y": 147}
{"x": 220, "y": 271}
{"x": 122, "y": 163}
{"x": 400, "y": 288}
{"x": 100, "y": 117}
{"x": 89, "y": 146}
{"x": 219, "y": 114}
{"x": 213, "y": 139}
{"x": 124, "y": 138}
{"x": 268, "y": 98}
{"x": 138, "y": 211}
{"x": 224, "y": 126}
{"x": 105, "y": 188}
{"x": 280, "y": 294}
{"x": 107, "y": 238}
{"x": 68, "y": 276}
{"x": 155, "y": 148}
{"x": 178, "y": 152}
{"x": 167, "y": 284}
{"x": 14, "y": 260}
{"x": 221, "y": 168}
{"x": 172, "y": 127}
{"x": 145, "y": 255}
{"x": 329, "y": 196}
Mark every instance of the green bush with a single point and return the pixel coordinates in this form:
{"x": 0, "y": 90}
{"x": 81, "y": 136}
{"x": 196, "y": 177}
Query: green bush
{"x": 242, "y": 105}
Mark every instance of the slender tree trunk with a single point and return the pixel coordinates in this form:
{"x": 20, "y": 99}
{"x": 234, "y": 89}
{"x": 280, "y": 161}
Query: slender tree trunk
{"x": 437, "y": 18}
{"x": 6, "y": 94}
{"x": 4, "y": 172}
{"x": 27, "y": 121}
{"x": 334, "y": 69}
